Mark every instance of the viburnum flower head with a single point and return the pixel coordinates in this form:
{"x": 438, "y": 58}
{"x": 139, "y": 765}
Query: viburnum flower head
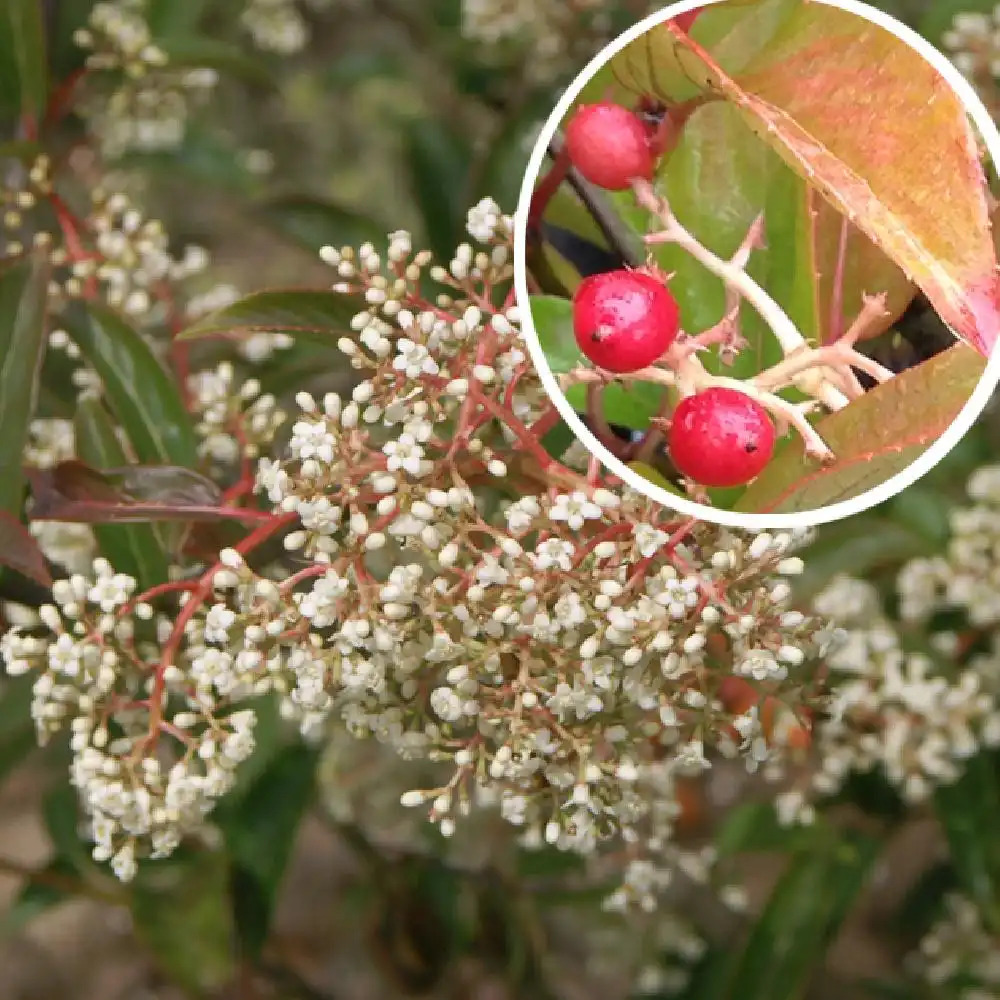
{"x": 610, "y": 145}
{"x": 721, "y": 437}
{"x": 624, "y": 320}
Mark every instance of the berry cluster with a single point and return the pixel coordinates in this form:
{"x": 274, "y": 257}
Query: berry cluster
{"x": 722, "y": 431}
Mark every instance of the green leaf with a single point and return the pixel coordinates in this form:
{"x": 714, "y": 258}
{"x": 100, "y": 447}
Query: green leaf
{"x": 438, "y": 164}
{"x": 137, "y": 389}
{"x": 23, "y": 298}
{"x": 200, "y": 51}
{"x": 806, "y": 908}
{"x": 313, "y": 223}
{"x": 754, "y": 827}
{"x": 969, "y": 813}
{"x": 169, "y": 18}
{"x": 61, "y": 810}
{"x": 315, "y": 315}
{"x": 25, "y": 32}
{"x": 17, "y": 730}
{"x": 873, "y": 437}
{"x": 133, "y": 548}
{"x": 182, "y": 913}
{"x": 654, "y": 476}
{"x": 859, "y": 546}
{"x": 260, "y": 827}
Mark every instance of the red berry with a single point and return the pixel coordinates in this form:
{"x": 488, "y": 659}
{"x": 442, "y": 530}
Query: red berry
{"x": 721, "y": 437}
{"x": 624, "y": 320}
{"x": 609, "y": 145}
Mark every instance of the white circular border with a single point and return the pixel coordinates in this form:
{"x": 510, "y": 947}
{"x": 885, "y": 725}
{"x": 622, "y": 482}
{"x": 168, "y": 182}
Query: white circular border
{"x": 821, "y": 515}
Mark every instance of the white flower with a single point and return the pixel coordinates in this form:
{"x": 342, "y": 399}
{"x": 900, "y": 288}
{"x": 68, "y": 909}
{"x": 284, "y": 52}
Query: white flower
{"x": 574, "y": 509}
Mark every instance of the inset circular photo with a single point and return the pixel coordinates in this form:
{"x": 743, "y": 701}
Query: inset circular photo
{"x": 756, "y": 259}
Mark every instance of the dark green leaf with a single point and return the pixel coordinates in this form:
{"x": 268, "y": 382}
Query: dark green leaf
{"x": 260, "y": 829}
{"x": 969, "y": 812}
{"x": 134, "y": 548}
{"x": 169, "y": 18}
{"x": 804, "y": 911}
{"x": 24, "y": 22}
{"x": 17, "y": 730}
{"x": 859, "y": 546}
{"x": 321, "y": 316}
{"x": 182, "y": 913}
{"x": 438, "y": 164}
{"x": 199, "y": 51}
{"x": 61, "y": 810}
{"x": 138, "y": 390}
{"x": 23, "y": 296}
{"x": 754, "y": 827}
{"x": 313, "y": 223}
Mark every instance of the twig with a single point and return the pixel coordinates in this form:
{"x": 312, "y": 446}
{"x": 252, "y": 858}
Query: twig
{"x": 618, "y": 235}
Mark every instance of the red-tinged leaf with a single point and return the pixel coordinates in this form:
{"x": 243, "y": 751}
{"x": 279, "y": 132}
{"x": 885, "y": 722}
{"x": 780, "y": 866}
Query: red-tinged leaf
{"x": 20, "y": 551}
{"x": 133, "y": 548}
{"x": 316, "y": 315}
{"x": 73, "y": 491}
{"x": 874, "y": 437}
{"x": 885, "y": 139}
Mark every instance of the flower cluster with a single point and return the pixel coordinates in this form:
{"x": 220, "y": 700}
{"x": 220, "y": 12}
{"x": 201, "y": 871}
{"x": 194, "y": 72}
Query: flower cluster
{"x": 149, "y": 103}
{"x": 555, "y": 643}
{"x": 112, "y": 252}
{"x": 96, "y": 677}
{"x": 960, "y": 952}
{"x": 552, "y": 32}
{"x": 917, "y": 714}
{"x": 277, "y": 25}
{"x": 236, "y": 422}
{"x": 974, "y": 44}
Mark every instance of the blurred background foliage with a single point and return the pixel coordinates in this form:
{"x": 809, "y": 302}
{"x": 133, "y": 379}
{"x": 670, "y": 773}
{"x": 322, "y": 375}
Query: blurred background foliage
{"x": 322, "y": 889}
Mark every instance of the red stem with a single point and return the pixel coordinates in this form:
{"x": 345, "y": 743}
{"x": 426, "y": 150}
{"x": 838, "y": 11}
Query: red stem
{"x": 547, "y": 187}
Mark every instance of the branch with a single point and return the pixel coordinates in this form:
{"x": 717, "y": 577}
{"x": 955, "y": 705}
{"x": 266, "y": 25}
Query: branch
{"x": 618, "y": 235}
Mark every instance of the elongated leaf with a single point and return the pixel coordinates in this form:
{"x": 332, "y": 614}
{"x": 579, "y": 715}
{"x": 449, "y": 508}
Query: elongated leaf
{"x": 313, "y": 223}
{"x": 438, "y": 163}
{"x": 17, "y": 730}
{"x": 260, "y": 831}
{"x": 201, "y": 52}
{"x": 910, "y": 178}
{"x": 23, "y": 20}
{"x": 182, "y": 913}
{"x": 22, "y": 348}
{"x": 132, "y": 549}
{"x": 315, "y": 315}
{"x": 137, "y": 389}
{"x": 20, "y": 551}
{"x": 807, "y": 906}
{"x": 73, "y": 491}
{"x": 873, "y": 438}
{"x": 969, "y": 813}
{"x": 859, "y": 546}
